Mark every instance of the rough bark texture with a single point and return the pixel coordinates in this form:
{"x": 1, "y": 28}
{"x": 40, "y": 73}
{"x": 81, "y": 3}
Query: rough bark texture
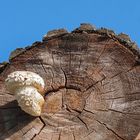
{"x": 92, "y": 88}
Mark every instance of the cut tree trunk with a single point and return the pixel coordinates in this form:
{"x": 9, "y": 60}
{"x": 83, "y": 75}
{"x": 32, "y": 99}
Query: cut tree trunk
{"x": 92, "y": 87}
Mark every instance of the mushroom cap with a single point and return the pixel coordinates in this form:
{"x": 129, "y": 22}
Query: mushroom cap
{"x": 18, "y": 79}
{"x": 30, "y": 100}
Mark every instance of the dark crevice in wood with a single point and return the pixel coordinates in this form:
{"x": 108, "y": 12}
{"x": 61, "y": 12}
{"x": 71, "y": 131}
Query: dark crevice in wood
{"x": 105, "y": 125}
{"x": 134, "y": 93}
{"x": 33, "y": 136}
{"x": 76, "y": 110}
{"x": 40, "y": 129}
{"x": 74, "y": 138}
{"x": 92, "y": 85}
{"x": 89, "y": 111}
{"x": 59, "y": 138}
{"x": 67, "y": 108}
{"x": 83, "y": 122}
{"x": 28, "y": 132}
{"x": 115, "y": 75}
{"x": 42, "y": 121}
{"x": 64, "y": 76}
{"x": 103, "y": 50}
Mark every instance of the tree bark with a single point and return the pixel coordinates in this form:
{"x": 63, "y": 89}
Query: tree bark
{"x": 92, "y": 88}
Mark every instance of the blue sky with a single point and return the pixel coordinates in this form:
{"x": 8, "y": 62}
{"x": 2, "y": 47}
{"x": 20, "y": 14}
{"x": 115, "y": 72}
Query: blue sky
{"x": 23, "y": 22}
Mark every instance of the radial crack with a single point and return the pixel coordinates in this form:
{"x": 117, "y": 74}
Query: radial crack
{"x": 83, "y": 122}
{"x": 64, "y": 76}
{"x": 40, "y": 129}
{"x": 110, "y": 130}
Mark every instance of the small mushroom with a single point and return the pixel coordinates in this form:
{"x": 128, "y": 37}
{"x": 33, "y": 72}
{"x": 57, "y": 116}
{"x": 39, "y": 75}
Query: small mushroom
{"x": 28, "y": 89}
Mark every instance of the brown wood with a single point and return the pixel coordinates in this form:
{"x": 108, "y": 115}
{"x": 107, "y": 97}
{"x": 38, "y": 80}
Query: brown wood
{"x": 92, "y": 88}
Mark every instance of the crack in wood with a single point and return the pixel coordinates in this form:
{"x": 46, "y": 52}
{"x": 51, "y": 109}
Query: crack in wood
{"x": 64, "y": 76}
{"x": 105, "y": 125}
{"x": 89, "y": 111}
{"x": 103, "y": 50}
{"x": 40, "y": 129}
{"x": 74, "y": 138}
{"x": 83, "y": 122}
{"x": 92, "y": 85}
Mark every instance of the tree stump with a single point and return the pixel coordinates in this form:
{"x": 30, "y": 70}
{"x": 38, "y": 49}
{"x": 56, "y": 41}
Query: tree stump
{"x": 92, "y": 91}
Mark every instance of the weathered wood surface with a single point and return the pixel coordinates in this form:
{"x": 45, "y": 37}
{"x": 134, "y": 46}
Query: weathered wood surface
{"x": 92, "y": 88}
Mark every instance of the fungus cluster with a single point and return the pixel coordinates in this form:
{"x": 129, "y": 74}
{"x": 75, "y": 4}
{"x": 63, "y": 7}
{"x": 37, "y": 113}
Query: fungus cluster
{"x": 28, "y": 89}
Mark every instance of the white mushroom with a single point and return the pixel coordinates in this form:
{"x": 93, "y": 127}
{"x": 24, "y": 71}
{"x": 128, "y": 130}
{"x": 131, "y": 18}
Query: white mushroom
{"x": 28, "y": 88}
